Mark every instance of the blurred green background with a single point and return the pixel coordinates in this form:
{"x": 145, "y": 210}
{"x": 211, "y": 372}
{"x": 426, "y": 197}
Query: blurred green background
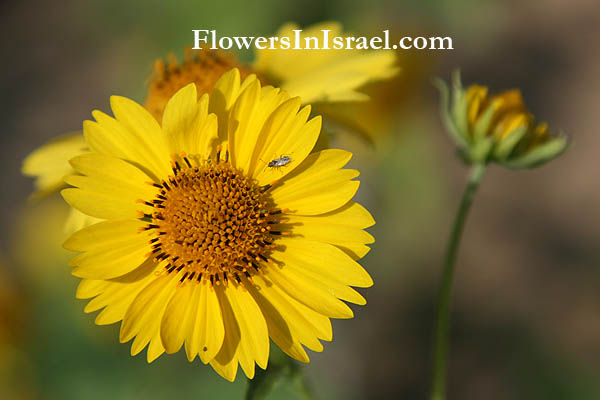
{"x": 526, "y": 321}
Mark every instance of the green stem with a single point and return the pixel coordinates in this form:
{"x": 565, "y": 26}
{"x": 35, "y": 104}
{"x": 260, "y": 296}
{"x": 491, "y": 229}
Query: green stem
{"x": 445, "y": 291}
{"x": 279, "y": 369}
{"x": 302, "y": 388}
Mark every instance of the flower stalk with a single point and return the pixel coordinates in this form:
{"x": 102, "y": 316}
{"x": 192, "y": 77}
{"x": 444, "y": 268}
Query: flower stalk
{"x": 486, "y": 129}
{"x": 280, "y": 368}
{"x": 445, "y": 290}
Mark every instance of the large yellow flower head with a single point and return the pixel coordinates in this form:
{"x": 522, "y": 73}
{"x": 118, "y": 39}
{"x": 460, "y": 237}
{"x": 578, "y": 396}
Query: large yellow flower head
{"x": 497, "y": 128}
{"x": 220, "y": 229}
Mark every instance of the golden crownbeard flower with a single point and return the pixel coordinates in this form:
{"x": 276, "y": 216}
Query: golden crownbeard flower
{"x": 497, "y": 128}
{"x": 220, "y": 228}
{"x": 324, "y": 76}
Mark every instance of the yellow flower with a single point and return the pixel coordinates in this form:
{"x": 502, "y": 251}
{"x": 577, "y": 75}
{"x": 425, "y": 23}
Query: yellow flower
{"x": 497, "y": 128}
{"x": 326, "y": 76}
{"x": 49, "y": 165}
{"x": 323, "y": 75}
{"x": 42, "y": 164}
{"x": 201, "y": 67}
{"x": 221, "y": 229}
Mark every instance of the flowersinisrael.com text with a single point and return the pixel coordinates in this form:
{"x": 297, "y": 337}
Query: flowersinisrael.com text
{"x": 204, "y": 38}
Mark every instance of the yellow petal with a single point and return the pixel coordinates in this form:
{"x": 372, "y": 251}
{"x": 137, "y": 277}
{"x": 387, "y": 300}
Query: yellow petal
{"x": 289, "y": 324}
{"x": 337, "y": 81}
{"x": 115, "y": 301}
{"x": 134, "y": 136}
{"x": 110, "y": 249}
{"x": 321, "y": 259}
{"x": 284, "y": 120}
{"x": 180, "y": 117}
{"x": 318, "y": 185}
{"x": 342, "y": 227}
{"x": 254, "y": 342}
{"x": 247, "y": 119}
{"x": 155, "y": 349}
{"x": 142, "y": 125}
{"x": 177, "y": 317}
{"x": 88, "y": 288}
{"x": 99, "y": 205}
{"x": 149, "y": 318}
{"x": 114, "y": 296}
{"x": 282, "y": 64}
{"x": 77, "y": 220}
{"x": 279, "y": 331}
{"x": 209, "y": 133}
{"x": 314, "y": 295}
{"x": 186, "y": 123}
{"x": 286, "y": 133}
{"x": 225, "y": 363}
{"x": 91, "y": 287}
{"x": 241, "y": 128}
{"x": 104, "y": 235}
{"x": 110, "y": 188}
{"x": 323, "y": 278}
{"x": 143, "y": 316}
{"x": 225, "y": 93}
{"x": 250, "y": 116}
{"x": 49, "y": 164}
{"x": 333, "y": 287}
{"x": 226, "y": 367}
{"x": 205, "y": 332}
{"x": 324, "y": 75}
{"x": 476, "y": 94}
{"x": 314, "y": 322}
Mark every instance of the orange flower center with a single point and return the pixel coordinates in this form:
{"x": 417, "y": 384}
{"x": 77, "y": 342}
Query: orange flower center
{"x": 212, "y": 222}
{"x": 202, "y": 67}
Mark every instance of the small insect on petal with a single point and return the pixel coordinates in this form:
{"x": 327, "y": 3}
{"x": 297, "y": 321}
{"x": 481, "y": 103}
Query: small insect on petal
{"x": 279, "y": 162}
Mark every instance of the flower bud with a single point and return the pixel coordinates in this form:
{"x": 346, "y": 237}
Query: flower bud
{"x": 496, "y": 128}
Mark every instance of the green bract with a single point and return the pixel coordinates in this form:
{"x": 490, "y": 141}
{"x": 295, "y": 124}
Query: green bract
{"x": 496, "y": 128}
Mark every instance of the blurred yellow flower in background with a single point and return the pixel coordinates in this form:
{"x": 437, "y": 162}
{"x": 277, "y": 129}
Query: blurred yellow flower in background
{"x": 221, "y": 228}
{"x": 323, "y": 76}
{"x": 49, "y": 165}
{"x": 497, "y": 128}
{"x": 201, "y": 67}
{"x": 328, "y": 76}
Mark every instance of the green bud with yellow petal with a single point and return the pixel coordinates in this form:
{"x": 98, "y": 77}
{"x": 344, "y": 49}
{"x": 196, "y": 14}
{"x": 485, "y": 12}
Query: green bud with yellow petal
{"x": 496, "y": 128}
